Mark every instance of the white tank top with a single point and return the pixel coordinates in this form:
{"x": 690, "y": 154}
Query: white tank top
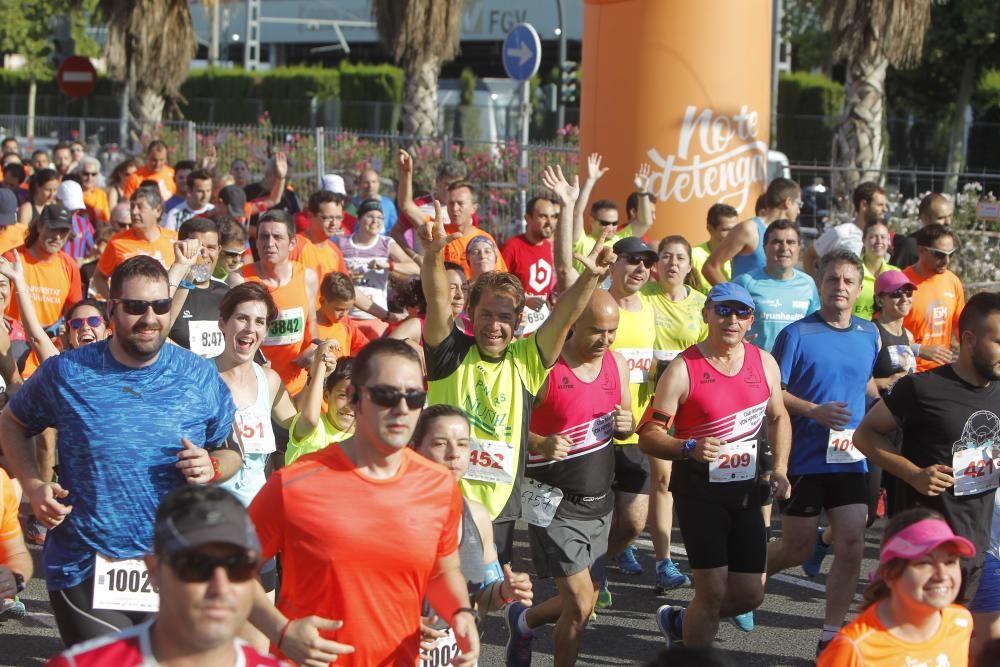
{"x": 255, "y": 436}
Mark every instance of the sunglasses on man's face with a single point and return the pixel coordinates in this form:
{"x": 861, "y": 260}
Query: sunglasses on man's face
{"x": 606, "y": 223}
{"x": 645, "y": 260}
{"x": 232, "y": 254}
{"x": 724, "y": 310}
{"x": 197, "y": 568}
{"x": 140, "y": 306}
{"x": 92, "y": 321}
{"x": 389, "y": 397}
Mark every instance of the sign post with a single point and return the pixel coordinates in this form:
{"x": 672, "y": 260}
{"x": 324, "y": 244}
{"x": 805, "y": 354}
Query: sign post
{"x": 522, "y": 54}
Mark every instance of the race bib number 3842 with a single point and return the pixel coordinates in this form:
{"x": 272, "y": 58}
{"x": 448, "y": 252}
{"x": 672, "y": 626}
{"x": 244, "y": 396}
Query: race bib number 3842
{"x": 287, "y": 328}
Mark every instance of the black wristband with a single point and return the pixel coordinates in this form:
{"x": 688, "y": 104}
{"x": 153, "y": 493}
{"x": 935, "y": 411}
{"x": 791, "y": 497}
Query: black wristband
{"x": 469, "y": 610}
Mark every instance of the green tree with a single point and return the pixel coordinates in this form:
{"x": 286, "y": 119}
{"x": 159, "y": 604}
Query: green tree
{"x": 869, "y": 37}
{"x": 421, "y": 35}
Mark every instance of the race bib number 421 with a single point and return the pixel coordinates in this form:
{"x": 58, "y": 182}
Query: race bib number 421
{"x": 123, "y": 585}
{"x": 975, "y": 470}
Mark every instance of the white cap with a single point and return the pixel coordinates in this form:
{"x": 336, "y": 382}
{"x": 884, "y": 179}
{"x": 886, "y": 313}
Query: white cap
{"x": 333, "y": 183}
{"x": 71, "y": 195}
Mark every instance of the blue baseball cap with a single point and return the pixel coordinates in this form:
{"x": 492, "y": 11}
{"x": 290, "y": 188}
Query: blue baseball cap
{"x": 724, "y": 292}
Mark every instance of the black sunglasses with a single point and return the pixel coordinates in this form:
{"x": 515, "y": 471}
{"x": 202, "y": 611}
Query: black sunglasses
{"x": 899, "y": 294}
{"x": 389, "y": 397}
{"x": 192, "y": 567}
{"x": 92, "y": 321}
{"x": 606, "y": 223}
{"x": 233, "y": 253}
{"x": 741, "y": 312}
{"x": 645, "y": 260}
{"x": 139, "y": 306}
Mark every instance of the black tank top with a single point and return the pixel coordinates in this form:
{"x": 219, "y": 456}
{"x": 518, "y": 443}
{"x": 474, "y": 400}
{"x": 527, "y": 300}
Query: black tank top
{"x": 895, "y": 355}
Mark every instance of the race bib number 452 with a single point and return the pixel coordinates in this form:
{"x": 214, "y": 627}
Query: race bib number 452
{"x": 123, "y": 585}
{"x": 491, "y": 461}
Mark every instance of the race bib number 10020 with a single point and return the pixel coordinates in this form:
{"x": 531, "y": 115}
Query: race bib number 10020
{"x": 123, "y": 585}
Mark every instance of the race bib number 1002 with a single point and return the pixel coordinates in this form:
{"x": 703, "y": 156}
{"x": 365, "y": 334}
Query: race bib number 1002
{"x": 123, "y": 585}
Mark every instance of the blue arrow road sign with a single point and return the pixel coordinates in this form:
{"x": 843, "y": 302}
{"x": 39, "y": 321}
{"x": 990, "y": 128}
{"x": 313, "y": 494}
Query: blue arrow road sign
{"x": 522, "y": 52}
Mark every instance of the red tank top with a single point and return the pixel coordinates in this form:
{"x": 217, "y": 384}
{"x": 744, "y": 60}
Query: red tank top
{"x": 286, "y": 336}
{"x": 583, "y": 412}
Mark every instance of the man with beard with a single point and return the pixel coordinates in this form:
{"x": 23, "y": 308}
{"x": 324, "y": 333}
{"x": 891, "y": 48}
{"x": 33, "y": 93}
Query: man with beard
{"x": 948, "y": 416}
{"x": 870, "y": 205}
{"x": 529, "y": 257}
{"x": 135, "y": 419}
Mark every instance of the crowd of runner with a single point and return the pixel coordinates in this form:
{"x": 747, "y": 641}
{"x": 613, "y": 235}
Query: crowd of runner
{"x": 244, "y": 427}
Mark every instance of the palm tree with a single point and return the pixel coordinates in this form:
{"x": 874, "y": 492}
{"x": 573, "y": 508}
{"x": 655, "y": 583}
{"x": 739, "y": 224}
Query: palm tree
{"x": 149, "y": 47}
{"x": 870, "y": 35}
{"x": 421, "y": 35}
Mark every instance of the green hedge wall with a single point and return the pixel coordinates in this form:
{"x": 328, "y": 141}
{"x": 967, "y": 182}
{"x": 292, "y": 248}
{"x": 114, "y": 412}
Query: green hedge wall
{"x": 801, "y": 95}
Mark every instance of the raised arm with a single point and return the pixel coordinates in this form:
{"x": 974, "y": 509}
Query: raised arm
{"x": 434, "y": 281}
{"x": 404, "y": 198}
{"x": 594, "y": 174}
{"x": 552, "y": 334}
{"x": 280, "y": 178}
{"x": 568, "y": 193}
{"x": 324, "y": 362}
{"x": 644, "y": 212}
{"x": 741, "y": 239}
{"x": 39, "y": 339}
{"x": 186, "y": 253}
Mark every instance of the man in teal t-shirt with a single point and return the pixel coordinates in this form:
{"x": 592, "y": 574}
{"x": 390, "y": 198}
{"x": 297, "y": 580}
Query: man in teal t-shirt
{"x": 783, "y": 294}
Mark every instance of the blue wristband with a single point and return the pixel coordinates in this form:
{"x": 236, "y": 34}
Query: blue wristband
{"x": 493, "y": 573}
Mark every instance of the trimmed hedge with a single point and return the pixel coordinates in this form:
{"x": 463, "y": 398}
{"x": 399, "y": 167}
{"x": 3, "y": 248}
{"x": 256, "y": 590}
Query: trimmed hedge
{"x": 803, "y": 94}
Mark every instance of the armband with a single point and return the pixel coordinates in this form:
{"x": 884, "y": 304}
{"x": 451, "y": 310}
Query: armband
{"x": 492, "y": 573}
{"x": 217, "y": 474}
{"x": 655, "y": 416}
{"x": 916, "y": 349}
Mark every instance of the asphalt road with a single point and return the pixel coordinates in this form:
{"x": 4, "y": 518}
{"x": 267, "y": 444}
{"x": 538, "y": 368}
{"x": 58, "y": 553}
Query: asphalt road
{"x": 788, "y": 623}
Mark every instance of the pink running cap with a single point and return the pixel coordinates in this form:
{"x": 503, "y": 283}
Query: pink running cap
{"x": 921, "y": 538}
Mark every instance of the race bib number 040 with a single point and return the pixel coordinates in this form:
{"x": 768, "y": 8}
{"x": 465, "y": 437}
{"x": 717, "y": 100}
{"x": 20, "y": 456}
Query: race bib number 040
{"x": 491, "y": 461}
{"x": 975, "y": 470}
{"x": 737, "y": 462}
{"x": 639, "y": 360}
{"x": 840, "y": 447}
{"x": 123, "y": 585}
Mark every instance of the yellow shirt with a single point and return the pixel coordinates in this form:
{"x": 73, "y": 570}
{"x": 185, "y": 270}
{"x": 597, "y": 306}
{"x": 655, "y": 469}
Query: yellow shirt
{"x": 636, "y": 341}
{"x": 699, "y": 254}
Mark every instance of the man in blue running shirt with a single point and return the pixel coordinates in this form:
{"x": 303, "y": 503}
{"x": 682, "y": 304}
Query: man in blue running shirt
{"x": 136, "y": 419}
{"x": 782, "y": 294}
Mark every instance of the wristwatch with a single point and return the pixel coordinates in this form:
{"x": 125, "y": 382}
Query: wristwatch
{"x": 688, "y": 447}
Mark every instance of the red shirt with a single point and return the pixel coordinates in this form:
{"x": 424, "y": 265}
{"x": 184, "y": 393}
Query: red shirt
{"x": 133, "y": 648}
{"x": 533, "y": 264}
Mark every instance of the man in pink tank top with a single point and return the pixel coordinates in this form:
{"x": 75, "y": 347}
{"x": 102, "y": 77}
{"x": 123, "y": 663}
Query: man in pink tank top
{"x": 708, "y": 415}
{"x": 583, "y": 404}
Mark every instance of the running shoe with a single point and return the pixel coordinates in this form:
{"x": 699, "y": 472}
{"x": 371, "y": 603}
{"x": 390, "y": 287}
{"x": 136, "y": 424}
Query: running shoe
{"x": 604, "y": 596}
{"x": 743, "y": 622}
{"x": 669, "y": 577}
{"x": 627, "y": 562}
{"x": 12, "y": 608}
{"x": 518, "y": 643}
{"x": 670, "y": 620}
{"x": 34, "y": 531}
{"x": 811, "y": 567}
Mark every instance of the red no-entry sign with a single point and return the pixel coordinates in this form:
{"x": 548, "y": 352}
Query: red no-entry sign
{"x": 77, "y": 77}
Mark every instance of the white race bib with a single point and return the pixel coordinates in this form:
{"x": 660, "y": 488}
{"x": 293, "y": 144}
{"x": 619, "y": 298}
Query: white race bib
{"x": 287, "y": 328}
{"x": 533, "y": 319}
{"x": 123, "y": 585}
{"x": 840, "y": 447}
{"x": 491, "y": 461}
{"x": 975, "y": 470}
{"x": 639, "y": 360}
{"x": 539, "y": 502}
{"x": 205, "y": 338}
{"x": 443, "y": 651}
{"x": 255, "y": 435}
{"x": 736, "y": 462}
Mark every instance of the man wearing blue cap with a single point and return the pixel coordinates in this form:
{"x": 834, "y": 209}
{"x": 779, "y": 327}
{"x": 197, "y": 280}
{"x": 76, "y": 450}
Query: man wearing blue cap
{"x": 826, "y": 362}
{"x": 708, "y": 416}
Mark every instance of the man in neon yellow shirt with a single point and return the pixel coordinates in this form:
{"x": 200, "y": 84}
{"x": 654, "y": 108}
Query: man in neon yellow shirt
{"x": 721, "y": 219}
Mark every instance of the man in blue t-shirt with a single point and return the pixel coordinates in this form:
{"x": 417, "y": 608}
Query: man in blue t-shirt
{"x": 136, "y": 419}
{"x": 782, "y": 293}
{"x": 826, "y": 362}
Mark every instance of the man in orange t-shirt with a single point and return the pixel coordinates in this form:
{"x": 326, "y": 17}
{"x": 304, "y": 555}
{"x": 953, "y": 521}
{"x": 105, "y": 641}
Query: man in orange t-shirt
{"x": 155, "y": 169}
{"x": 938, "y": 299}
{"x": 371, "y": 567}
{"x": 316, "y": 251}
{"x": 288, "y": 344}
{"x": 145, "y": 237}
{"x": 462, "y": 203}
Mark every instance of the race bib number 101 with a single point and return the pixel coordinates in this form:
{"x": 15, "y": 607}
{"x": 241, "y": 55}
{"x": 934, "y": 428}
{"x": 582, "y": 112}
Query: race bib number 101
{"x": 123, "y": 585}
{"x": 840, "y": 447}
